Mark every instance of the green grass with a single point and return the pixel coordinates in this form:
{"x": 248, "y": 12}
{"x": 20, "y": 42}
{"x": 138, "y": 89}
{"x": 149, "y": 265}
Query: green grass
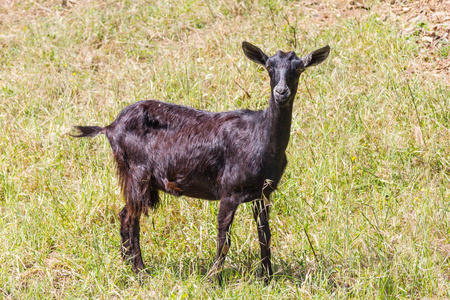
{"x": 369, "y": 160}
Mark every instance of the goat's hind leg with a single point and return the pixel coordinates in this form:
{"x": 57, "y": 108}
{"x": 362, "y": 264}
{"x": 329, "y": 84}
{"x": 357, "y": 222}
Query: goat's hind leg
{"x": 130, "y": 227}
{"x": 125, "y": 234}
{"x": 129, "y": 232}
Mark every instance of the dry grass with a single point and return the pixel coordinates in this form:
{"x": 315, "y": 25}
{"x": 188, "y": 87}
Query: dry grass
{"x": 369, "y": 164}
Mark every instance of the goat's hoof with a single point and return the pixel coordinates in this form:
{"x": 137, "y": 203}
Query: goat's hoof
{"x": 214, "y": 276}
{"x": 142, "y": 276}
{"x": 215, "y": 280}
{"x": 266, "y": 277}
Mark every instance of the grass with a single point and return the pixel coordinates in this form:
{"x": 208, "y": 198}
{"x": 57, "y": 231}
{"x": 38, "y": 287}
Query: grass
{"x": 369, "y": 161}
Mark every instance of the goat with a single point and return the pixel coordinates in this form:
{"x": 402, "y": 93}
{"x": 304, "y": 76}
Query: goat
{"x": 235, "y": 157}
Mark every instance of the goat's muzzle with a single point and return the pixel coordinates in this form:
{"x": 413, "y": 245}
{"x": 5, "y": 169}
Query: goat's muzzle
{"x": 281, "y": 94}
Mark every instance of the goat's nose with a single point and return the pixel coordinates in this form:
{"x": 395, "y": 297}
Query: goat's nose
{"x": 281, "y": 90}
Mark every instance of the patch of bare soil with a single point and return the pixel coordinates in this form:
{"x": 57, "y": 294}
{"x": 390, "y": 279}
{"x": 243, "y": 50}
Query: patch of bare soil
{"x": 324, "y": 13}
{"x": 427, "y": 21}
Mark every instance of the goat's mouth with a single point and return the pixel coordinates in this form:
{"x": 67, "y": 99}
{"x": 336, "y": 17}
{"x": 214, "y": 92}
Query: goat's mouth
{"x": 282, "y": 99}
{"x": 282, "y": 95}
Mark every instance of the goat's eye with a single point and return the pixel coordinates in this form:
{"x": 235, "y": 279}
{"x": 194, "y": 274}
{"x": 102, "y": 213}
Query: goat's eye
{"x": 269, "y": 68}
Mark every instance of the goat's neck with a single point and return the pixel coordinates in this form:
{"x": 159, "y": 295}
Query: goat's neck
{"x": 279, "y": 129}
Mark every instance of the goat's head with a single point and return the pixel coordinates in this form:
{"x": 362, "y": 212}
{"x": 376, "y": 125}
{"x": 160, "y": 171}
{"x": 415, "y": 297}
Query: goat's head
{"x": 284, "y": 69}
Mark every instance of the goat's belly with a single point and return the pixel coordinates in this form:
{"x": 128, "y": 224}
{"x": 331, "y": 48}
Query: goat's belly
{"x": 201, "y": 194}
{"x": 199, "y": 187}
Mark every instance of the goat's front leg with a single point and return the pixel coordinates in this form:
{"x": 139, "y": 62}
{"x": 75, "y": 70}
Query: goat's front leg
{"x": 225, "y": 218}
{"x": 129, "y": 231}
{"x": 261, "y": 215}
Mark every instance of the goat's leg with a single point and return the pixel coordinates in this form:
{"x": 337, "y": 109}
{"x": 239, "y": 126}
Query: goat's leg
{"x": 225, "y": 218}
{"x": 138, "y": 264}
{"x": 129, "y": 231}
{"x": 125, "y": 234}
{"x": 261, "y": 215}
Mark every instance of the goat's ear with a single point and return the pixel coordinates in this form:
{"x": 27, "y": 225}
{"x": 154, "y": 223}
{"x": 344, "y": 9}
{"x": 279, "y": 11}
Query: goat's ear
{"x": 316, "y": 57}
{"x": 254, "y": 53}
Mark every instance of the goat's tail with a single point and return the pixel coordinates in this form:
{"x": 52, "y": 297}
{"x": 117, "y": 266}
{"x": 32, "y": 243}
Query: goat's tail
{"x": 88, "y": 131}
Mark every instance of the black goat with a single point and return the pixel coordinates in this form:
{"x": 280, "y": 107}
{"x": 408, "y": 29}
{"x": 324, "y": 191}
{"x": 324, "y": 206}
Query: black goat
{"x": 235, "y": 157}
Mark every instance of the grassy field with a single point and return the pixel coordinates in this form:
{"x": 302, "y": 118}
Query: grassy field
{"x": 368, "y": 179}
